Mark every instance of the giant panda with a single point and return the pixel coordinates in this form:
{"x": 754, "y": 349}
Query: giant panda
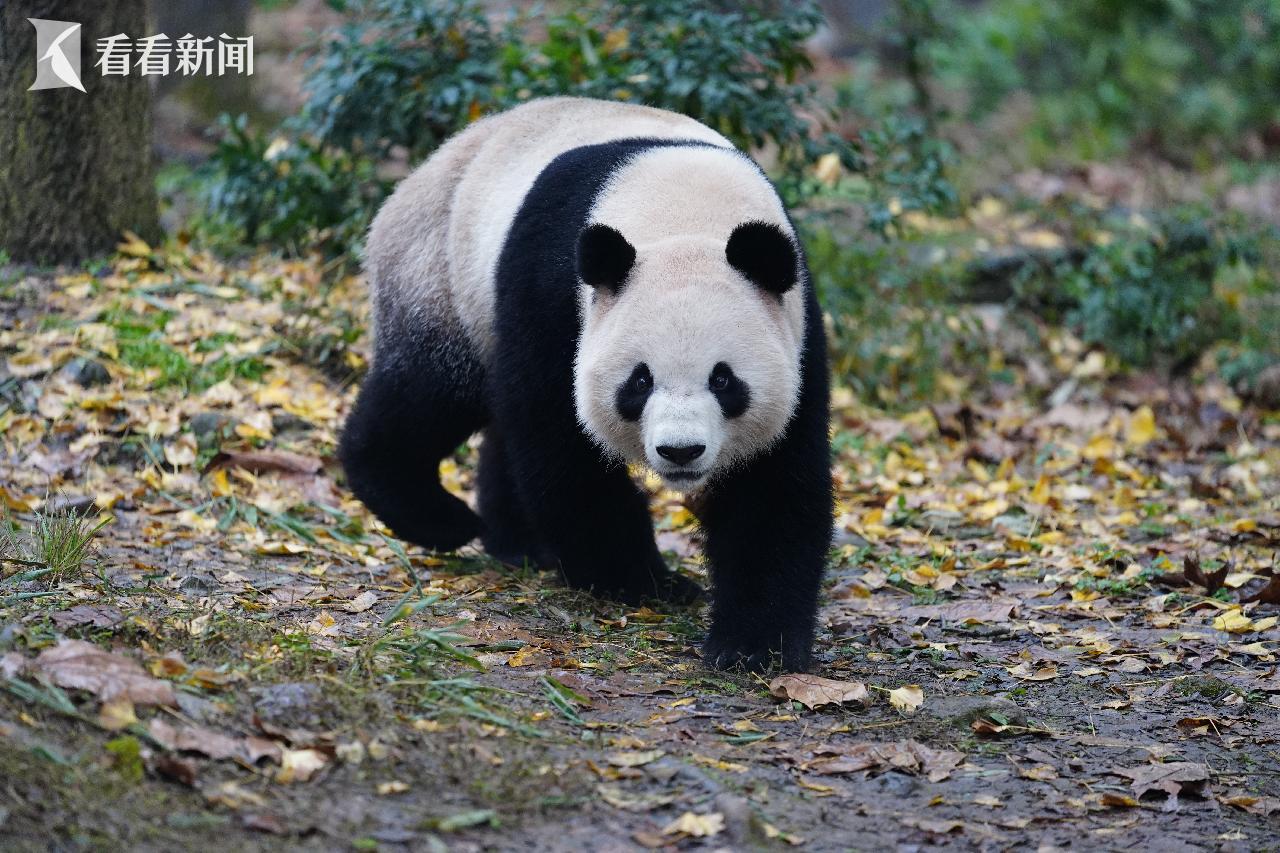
{"x": 594, "y": 284}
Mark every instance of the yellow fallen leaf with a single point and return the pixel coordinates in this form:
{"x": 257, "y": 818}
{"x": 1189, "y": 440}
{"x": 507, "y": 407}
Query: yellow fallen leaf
{"x": 299, "y": 765}
{"x": 817, "y": 787}
{"x": 1233, "y": 622}
{"x": 133, "y": 246}
{"x": 635, "y": 758}
{"x": 696, "y": 825}
{"x": 907, "y": 698}
{"x": 394, "y": 787}
{"x": 117, "y": 714}
{"x": 523, "y": 655}
{"x": 1142, "y": 427}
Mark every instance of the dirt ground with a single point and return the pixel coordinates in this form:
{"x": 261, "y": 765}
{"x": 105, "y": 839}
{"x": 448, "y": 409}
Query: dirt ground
{"x": 1049, "y": 623}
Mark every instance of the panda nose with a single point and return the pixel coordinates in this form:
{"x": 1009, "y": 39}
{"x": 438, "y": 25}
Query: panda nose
{"x": 681, "y": 454}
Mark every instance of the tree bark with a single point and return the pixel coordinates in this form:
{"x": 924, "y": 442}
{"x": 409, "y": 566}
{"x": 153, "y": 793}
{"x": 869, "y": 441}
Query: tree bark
{"x": 75, "y": 167}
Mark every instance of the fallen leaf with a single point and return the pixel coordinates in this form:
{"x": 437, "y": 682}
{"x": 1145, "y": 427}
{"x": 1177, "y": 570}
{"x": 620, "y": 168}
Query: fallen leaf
{"x": 1269, "y": 594}
{"x": 1038, "y": 772}
{"x": 1142, "y": 427}
{"x": 813, "y": 691}
{"x": 635, "y": 758}
{"x": 299, "y": 765}
{"x": 696, "y": 825}
{"x": 907, "y": 698}
{"x": 362, "y": 602}
{"x": 393, "y": 787}
{"x": 117, "y": 714}
{"x": 1123, "y": 801}
{"x": 908, "y": 756}
{"x": 615, "y": 796}
{"x": 84, "y": 666}
{"x": 212, "y": 744}
{"x": 1173, "y": 778}
{"x": 96, "y": 616}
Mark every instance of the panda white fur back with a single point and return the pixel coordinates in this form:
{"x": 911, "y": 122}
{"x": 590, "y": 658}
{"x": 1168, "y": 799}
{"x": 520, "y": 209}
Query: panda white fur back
{"x": 433, "y": 247}
{"x": 592, "y": 282}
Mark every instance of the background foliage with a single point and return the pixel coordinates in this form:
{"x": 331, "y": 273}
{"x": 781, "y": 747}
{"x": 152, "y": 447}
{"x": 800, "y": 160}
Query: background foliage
{"x": 899, "y": 245}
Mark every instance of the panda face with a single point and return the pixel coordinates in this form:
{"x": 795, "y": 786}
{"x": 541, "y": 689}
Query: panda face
{"x": 684, "y": 365}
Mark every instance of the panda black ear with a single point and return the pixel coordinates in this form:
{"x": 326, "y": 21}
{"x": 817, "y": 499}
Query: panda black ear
{"x": 604, "y": 257}
{"x": 763, "y": 253}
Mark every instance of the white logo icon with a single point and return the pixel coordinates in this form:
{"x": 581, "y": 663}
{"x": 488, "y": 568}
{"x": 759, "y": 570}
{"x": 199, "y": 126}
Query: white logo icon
{"x": 57, "y": 54}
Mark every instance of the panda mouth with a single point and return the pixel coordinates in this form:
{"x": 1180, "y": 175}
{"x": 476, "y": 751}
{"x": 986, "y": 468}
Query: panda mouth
{"x": 683, "y": 476}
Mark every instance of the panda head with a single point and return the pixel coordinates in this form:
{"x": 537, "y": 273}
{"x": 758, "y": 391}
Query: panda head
{"x": 689, "y": 357}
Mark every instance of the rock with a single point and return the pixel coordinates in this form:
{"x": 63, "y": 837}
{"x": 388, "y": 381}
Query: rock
{"x": 295, "y": 704}
{"x": 196, "y": 585}
{"x": 1265, "y": 391}
{"x": 205, "y": 424}
{"x": 289, "y": 422}
{"x": 897, "y": 784}
{"x": 86, "y": 372}
{"x": 961, "y": 711}
{"x": 742, "y": 825}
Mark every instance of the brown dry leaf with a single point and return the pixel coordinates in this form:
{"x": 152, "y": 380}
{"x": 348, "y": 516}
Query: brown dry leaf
{"x": 1026, "y": 673}
{"x": 908, "y": 756}
{"x": 1269, "y": 594}
{"x": 1173, "y": 778}
{"x": 813, "y": 691}
{"x": 964, "y": 612}
{"x": 212, "y": 744}
{"x": 259, "y": 461}
{"x": 84, "y": 666}
{"x": 97, "y": 616}
{"x": 907, "y": 698}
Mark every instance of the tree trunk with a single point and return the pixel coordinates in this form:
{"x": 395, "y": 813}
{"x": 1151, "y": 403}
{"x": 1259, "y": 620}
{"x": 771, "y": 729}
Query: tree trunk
{"x": 75, "y": 167}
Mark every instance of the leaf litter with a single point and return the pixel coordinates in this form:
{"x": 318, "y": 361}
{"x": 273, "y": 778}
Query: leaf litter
{"x": 1102, "y": 563}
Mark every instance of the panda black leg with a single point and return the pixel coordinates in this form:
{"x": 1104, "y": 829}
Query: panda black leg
{"x": 768, "y": 530}
{"x": 412, "y": 411}
{"x": 592, "y": 520}
{"x": 507, "y": 534}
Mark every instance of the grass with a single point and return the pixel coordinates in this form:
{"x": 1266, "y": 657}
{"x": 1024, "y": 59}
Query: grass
{"x": 58, "y": 544}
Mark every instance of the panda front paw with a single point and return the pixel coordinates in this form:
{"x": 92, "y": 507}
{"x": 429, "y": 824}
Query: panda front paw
{"x": 753, "y": 652}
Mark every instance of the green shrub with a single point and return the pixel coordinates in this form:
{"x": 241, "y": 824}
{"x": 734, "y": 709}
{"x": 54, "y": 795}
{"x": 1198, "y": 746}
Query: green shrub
{"x": 295, "y": 192}
{"x": 402, "y": 75}
{"x": 895, "y": 325}
{"x": 1184, "y": 76}
{"x": 1148, "y": 293}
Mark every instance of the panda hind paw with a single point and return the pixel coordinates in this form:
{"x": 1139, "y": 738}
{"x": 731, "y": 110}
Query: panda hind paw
{"x": 729, "y": 651}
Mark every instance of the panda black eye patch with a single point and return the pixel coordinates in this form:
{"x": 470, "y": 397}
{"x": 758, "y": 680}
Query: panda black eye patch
{"x": 634, "y": 393}
{"x": 732, "y": 393}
